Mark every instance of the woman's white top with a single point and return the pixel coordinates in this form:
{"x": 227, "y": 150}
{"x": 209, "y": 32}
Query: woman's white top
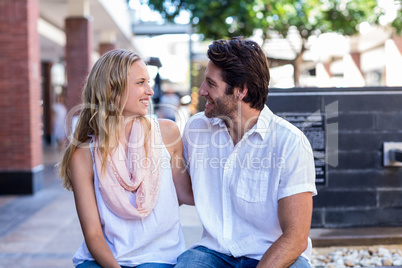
{"x": 156, "y": 238}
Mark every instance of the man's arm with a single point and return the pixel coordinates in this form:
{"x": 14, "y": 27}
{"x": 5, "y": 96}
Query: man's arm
{"x": 294, "y": 213}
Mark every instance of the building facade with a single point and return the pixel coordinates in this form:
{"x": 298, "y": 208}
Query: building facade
{"x": 47, "y": 49}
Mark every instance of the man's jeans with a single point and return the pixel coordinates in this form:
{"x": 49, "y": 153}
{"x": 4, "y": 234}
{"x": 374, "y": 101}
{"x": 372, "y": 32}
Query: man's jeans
{"x": 202, "y": 257}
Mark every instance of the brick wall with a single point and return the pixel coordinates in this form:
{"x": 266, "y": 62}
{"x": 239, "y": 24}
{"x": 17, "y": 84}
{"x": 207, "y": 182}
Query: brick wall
{"x": 358, "y": 190}
{"x": 78, "y": 56}
{"x": 105, "y": 47}
{"x": 20, "y": 95}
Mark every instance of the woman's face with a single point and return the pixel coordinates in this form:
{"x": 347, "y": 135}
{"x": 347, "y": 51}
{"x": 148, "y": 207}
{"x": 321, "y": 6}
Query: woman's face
{"x": 139, "y": 90}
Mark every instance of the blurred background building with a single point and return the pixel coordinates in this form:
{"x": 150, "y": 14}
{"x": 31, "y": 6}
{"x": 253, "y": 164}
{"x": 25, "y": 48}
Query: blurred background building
{"x": 47, "y": 48}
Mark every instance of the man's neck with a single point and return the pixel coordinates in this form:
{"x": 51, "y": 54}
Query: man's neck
{"x": 241, "y": 122}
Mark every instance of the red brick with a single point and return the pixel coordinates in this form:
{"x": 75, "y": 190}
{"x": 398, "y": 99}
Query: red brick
{"x": 20, "y": 133}
{"x": 105, "y": 47}
{"x": 78, "y": 57}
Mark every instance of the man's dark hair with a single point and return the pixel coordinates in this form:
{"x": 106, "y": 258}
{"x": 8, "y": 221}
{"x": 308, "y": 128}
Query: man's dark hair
{"x": 243, "y": 63}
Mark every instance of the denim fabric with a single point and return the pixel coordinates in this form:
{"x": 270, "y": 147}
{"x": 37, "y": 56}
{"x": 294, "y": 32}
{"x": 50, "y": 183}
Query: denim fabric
{"x": 202, "y": 257}
{"x": 88, "y": 264}
{"x": 155, "y": 265}
{"x": 301, "y": 263}
{"x": 93, "y": 264}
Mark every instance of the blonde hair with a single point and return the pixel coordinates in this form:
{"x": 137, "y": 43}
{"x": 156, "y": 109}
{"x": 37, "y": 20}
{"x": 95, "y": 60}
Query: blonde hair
{"x": 103, "y": 99}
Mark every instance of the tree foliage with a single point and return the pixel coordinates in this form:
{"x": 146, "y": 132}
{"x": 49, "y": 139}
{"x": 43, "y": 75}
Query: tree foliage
{"x": 227, "y": 18}
{"x": 217, "y": 19}
{"x": 397, "y": 23}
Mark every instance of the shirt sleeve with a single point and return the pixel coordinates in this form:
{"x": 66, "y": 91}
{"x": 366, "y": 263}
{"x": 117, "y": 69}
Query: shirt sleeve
{"x": 185, "y": 147}
{"x": 298, "y": 174}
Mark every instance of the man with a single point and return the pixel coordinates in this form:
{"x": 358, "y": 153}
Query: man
{"x": 252, "y": 173}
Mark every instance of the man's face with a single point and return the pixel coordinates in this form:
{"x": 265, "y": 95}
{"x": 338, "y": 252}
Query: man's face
{"x": 213, "y": 89}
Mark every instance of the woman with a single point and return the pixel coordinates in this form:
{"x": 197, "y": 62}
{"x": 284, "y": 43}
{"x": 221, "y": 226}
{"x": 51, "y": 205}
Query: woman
{"x": 120, "y": 165}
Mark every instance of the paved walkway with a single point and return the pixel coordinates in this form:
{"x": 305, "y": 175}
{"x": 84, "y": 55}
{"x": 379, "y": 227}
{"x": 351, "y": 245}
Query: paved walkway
{"x": 42, "y": 230}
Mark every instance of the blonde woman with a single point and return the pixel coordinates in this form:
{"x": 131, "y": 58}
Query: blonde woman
{"x": 124, "y": 169}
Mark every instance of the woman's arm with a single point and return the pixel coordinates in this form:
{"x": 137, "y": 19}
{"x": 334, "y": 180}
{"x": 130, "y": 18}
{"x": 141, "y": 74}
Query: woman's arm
{"x": 82, "y": 178}
{"x": 172, "y": 140}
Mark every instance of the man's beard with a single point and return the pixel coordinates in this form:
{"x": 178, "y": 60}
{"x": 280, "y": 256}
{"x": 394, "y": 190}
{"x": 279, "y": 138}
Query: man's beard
{"x": 224, "y": 107}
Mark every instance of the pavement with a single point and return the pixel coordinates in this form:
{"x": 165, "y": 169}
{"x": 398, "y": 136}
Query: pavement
{"x": 42, "y": 230}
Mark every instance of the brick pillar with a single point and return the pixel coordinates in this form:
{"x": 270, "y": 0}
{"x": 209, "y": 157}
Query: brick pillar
{"x": 327, "y": 67}
{"x": 105, "y": 47}
{"x": 107, "y": 41}
{"x": 47, "y": 89}
{"x": 356, "y": 56}
{"x": 352, "y": 73}
{"x": 398, "y": 42}
{"x": 78, "y": 57}
{"x": 21, "y": 168}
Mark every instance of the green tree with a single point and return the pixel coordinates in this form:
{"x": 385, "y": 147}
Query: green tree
{"x": 227, "y": 18}
{"x": 397, "y": 23}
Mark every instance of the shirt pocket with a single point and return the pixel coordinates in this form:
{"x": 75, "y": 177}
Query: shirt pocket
{"x": 252, "y": 185}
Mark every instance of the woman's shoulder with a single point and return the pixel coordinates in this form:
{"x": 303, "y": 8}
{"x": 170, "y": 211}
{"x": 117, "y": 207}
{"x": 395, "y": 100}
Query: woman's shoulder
{"x": 167, "y": 123}
{"x": 169, "y": 131}
{"x": 82, "y": 155}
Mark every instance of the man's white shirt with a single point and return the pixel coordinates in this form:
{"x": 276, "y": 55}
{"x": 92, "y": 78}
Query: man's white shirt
{"x": 237, "y": 188}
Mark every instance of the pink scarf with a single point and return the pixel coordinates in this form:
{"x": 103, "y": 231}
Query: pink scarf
{"x": 134, "y": 172}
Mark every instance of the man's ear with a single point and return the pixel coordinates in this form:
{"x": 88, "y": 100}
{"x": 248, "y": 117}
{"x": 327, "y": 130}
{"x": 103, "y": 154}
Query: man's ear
{"x": 242, "y": 93}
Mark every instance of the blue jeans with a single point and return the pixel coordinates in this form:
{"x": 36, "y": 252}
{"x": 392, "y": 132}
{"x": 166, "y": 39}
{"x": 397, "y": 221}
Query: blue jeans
{"x": 93, "y": 264}
{"x": 202, "y": 257}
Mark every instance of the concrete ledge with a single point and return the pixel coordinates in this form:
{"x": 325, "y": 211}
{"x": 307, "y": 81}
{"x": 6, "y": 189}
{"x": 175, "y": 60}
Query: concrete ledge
{"x": 367, "y": 236}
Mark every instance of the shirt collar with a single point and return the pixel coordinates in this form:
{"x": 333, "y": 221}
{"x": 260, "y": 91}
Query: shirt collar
{"x": 261, "y": 127}
{"x": 215, "y": 121}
